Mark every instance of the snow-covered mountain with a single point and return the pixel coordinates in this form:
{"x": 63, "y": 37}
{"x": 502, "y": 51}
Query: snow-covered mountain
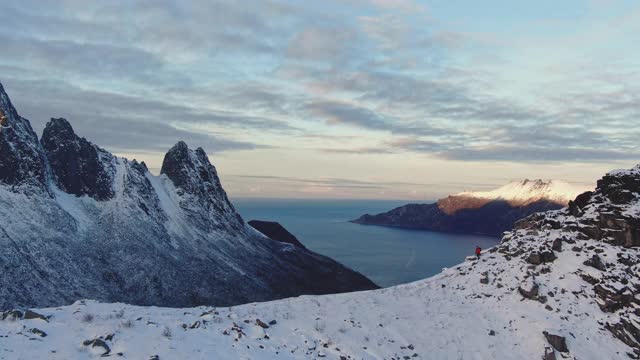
{"x": 480, "y": 212}
{"x": 78, "y": 222}
{"x": 529, "y": 191}
{"x": 563, "y": 284}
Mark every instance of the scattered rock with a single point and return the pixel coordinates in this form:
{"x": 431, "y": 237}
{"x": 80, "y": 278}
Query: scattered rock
{"x": 596, "y": 262}
{"x": 98, "y": 343}
{"x": 261, "y": 324}
{"x": 484, "y": 279}
{"x": 34, "y": 315}
{"x": 612, "y": 300}
{"x": 11, "y": 315}
{"x": 38, "y": 332}
{"x": 558, "y": 342}
{"x": 549, "y": 354}
{"x": 557, "y": 245}
{"x": 530, "y": 291}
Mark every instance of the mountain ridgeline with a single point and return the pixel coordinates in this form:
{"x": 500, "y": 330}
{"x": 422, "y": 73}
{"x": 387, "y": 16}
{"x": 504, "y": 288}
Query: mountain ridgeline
{"x": 485, "y": 213}
{"x": 563, "y": 284}
{"x": 78, "y": 222}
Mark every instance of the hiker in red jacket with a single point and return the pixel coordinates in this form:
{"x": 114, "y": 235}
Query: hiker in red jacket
{"x": 478, "y": 251}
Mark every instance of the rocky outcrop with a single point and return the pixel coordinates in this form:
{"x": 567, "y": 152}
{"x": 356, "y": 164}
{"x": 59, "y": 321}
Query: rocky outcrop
{"x": 604, "y": 226}
{"x": 275, "y": 231}
{"x": 78, "y": 222}
{"x": 559, "y": 343}
{"x": 22, "y": 161}
{"x": 78, "y": 167}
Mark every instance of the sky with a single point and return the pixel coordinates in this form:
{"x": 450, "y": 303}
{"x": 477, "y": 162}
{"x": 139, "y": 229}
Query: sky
{"x": 366, "y": 99}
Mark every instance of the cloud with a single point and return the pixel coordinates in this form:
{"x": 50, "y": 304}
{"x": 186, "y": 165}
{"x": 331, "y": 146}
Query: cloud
{"x": 538, "y": 154}
{"x": 124, "y": 123}
{"x": 254, "y": 74}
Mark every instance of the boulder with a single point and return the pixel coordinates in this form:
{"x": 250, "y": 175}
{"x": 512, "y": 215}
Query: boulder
{"x": 38, "y": 332}
{"x": 558, "y": 342}
{"x": 261, "y": 324}
{"x": 529, "y": 291}
{"x": 29, "y": 314}
{"x": 596, "y": 262}
{"x": 98, "y": 343}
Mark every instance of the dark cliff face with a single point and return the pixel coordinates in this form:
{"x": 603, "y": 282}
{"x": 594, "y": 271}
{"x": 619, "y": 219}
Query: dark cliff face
{"x": 22, "y": 160}
{"x": 493, "y": 218}
{"x": 275, "y": 231}
{"x": 78, "y": 167}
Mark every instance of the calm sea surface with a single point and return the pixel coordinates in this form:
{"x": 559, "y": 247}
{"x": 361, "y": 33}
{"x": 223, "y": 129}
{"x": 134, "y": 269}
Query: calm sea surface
{"x": 387, "y": 256}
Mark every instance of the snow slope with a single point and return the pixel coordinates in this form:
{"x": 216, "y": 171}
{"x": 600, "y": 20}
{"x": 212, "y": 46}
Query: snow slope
{"x": 529, "y": 191}
{"x": 562, "y": 284}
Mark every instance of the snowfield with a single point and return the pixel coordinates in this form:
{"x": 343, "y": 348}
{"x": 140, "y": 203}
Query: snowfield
{"x": 450, "y": 316}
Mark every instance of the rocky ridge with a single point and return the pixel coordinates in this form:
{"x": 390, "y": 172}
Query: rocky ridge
{"x": 78, "y": 222}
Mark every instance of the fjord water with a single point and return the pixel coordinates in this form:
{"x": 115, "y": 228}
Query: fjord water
{"x": 388, "y": 256}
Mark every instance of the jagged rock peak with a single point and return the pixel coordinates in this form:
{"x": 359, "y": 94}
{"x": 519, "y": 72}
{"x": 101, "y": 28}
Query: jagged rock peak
{"x": 61, "y": 127}
{"x": 22, "y": 162}
{"x": 7, "y": 110}
{"x": 78, "y": 166}
{"x": 191, "y": 170}
{"x": 194, "y": 176}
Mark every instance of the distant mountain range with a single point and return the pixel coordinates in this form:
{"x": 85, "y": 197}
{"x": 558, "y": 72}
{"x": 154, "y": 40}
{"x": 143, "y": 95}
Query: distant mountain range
{"x": 78, "y": 222}
{"x": 483, "y": 212}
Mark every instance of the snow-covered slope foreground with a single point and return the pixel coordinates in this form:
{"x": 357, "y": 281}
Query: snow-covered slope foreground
{"x": 78, "y": 222}
{"x": 562, "y": 285}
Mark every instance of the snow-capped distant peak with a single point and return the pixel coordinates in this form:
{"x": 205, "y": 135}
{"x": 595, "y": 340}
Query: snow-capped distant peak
{"x": 621, "y": 172}
{"x": 526, "y": 191}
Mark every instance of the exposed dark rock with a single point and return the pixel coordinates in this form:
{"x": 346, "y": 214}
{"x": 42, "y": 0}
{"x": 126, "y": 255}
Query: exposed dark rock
{"x": 583, "y": 199}
{"x": 556, "y": 341}
{"x": 549, "y": 354}
{"x": 11, "y": 315}
{"x": 78, "y": 167}
{"x": 627, "y": 331}
{"x": 596, "y": 262}
{"x": 29, "y": 314}
{"x": 261, "y": 324}
{"x": 536, "y": 258}
{"x": 612, "y": 300}
{"x": 38, "y": 332}
{"x": 529, "y": 292}
{"x": 22, "y": 160}
{"x": 557, "y": 245}
{"x": 275, "y": 231}
{"x": 98, "y": 343}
